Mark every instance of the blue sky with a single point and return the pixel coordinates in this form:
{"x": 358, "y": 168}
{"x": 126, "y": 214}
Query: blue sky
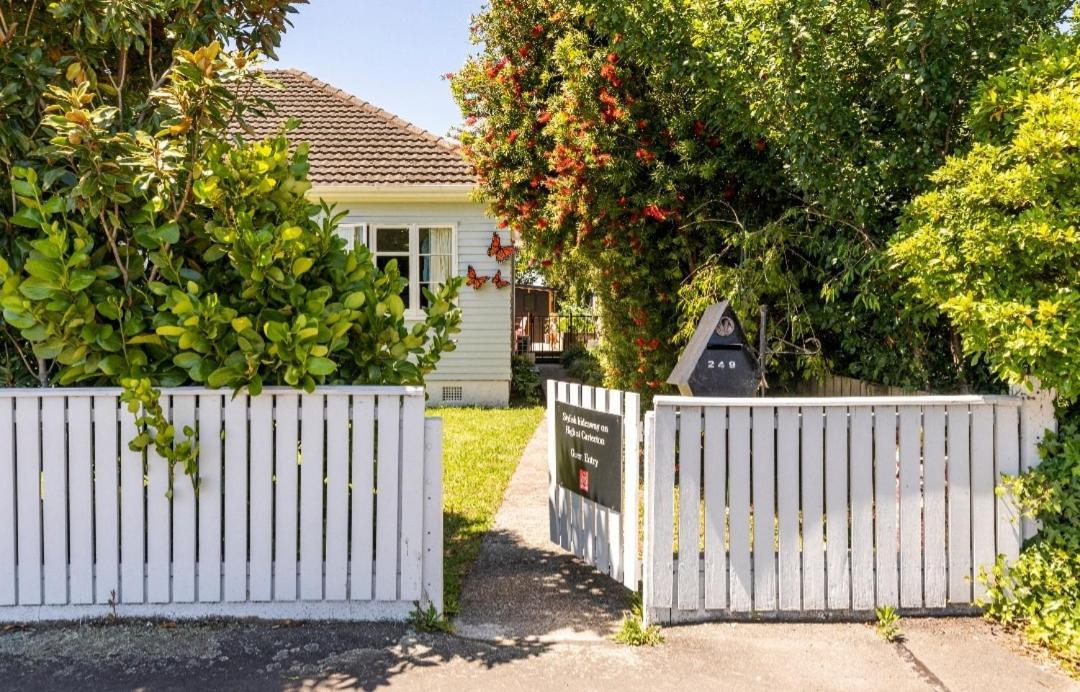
{"x": 392, "y": 53}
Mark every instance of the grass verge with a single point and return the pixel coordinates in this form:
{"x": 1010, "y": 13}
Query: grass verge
{"x": 481, "y": 448}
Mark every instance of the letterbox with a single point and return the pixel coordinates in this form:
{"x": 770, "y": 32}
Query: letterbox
{"x": 717, "y": 361}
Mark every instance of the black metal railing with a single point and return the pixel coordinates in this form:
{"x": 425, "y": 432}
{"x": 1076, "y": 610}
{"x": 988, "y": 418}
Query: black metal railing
{"x": 553, "y": 334}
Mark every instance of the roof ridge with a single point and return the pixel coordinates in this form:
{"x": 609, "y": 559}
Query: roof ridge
{"x": 380, "y": 113}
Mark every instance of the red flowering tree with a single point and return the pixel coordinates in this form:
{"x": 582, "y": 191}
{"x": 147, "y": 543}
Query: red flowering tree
{"x": 662, "y": 153}
{"x": 602, "y": 173}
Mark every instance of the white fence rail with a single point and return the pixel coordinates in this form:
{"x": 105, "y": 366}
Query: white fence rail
{"x": 810, "y": 505}
{"x": 323, "y": 505}
{"x": 602, "y": 537}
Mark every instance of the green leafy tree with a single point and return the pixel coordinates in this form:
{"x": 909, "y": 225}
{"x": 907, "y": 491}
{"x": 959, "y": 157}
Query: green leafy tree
{"x": 994, "y": 244}
{"x": 667, "y": 152}
{"x": 146, "y": 246}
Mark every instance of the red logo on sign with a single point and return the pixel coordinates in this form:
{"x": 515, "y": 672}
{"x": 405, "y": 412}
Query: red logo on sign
{"x": 583, "y": 480}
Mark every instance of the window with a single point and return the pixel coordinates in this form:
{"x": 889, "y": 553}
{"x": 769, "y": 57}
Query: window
{"x": 424, "y": 254}
{"x": 355, "y": 234}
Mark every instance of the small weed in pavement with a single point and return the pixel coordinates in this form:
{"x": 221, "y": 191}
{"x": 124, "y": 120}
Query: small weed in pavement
{"x": 888, "y": 624}
{"x": 633, "y": 633}
{"x": 429, "y": 620}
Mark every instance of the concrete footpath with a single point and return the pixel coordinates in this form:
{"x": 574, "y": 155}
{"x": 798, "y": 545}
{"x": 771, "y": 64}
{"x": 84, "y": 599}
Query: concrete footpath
{"x": 533, "y": 618}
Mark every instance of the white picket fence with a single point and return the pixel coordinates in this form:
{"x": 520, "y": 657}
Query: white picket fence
{"x": 323, "y": 505}
{"x": 795, "y": 506}
{"x": 602, "y": 537}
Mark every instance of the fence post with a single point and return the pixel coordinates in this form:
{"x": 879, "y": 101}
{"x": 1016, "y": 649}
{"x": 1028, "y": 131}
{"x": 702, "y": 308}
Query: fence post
{"x": 1036, "y": 419}
{"x": 433, "y": 513}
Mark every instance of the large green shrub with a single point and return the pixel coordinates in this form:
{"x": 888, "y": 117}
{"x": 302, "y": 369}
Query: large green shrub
{"x": 1040, "y": 591}
{"x": 662, "y": 153}
{"x": 994, "y": 244}
{"x": 148, "y": 247}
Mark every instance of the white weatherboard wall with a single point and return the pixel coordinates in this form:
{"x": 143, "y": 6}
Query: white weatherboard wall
{"x": 830, "y": 505}
{"x": 481, "y": 364}
{"x": 324, "y": 505}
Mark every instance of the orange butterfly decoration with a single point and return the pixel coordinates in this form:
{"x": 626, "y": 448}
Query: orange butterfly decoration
{"x": 474, "y": 280}
{"x": 499, "y": 281}
{"x": 500, "y": 252}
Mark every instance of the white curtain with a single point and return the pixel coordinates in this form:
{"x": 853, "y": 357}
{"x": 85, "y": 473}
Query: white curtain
{"x": 442, "y": 255}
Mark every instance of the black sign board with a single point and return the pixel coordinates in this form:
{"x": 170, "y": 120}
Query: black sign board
{"x": 588, "y": 454}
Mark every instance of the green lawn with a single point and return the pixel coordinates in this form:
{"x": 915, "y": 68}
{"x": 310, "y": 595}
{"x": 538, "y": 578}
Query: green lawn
{"x": 481, "y": 448}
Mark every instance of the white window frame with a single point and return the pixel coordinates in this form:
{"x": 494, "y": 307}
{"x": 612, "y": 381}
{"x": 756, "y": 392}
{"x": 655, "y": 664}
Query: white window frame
{"x": 353, "y": 233}
{"x": 412, "y": 309}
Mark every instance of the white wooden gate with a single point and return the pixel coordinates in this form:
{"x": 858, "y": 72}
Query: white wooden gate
{"x": 796, "y": 506}
{"x": 323, "y": 505}
{"x": 602, "y": 537}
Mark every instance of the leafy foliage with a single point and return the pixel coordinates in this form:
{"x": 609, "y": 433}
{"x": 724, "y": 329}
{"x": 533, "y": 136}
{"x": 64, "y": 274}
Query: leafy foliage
{"x": 582, "y": 365}
{"x": 888, "y": 624}
{"x": 148, "y": 247}
{"x": 663, "y": 153}
{"x": 524, "y": 381}
{"x": 1040, "y": 591}
{"x": 994, "y": 244}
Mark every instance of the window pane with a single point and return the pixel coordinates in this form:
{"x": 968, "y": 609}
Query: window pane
{"x": 402, "y": 264}
{"x": 437, "y": 241}
{"x": 436, "y": 268}
{"x": 391, "y": 240}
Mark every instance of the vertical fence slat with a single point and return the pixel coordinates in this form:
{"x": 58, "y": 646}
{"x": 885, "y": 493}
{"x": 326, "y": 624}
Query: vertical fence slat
{"x": 562, "y": 497}
{"x": 158, "y": 533}
{"x": 236, "y": 497}
{"x": 659, "y": 496}
{"x": 363, "y": 496}
{"x": 787, "y": 507}
{"x": 601, "y": 539}
{"x": 209, "y": 501}
{"x": 764, "y": 490}
{"x": 716, "y": 578}
{"x": 959, "y": 501}
{"x": 934, "y": 572}
{"x": 312, "y": 432}
{"x": 553, "y": 486}
{"x": 742, "y": 586}
{"x": 386, "y": 498}
{"x": 689, "y": 505}
{"x": 982, "y": 493}
{"x": 106, "y": 501}
{"x": 885, "y": 506}
{"x": 862, "y": 508}
{"x": 838, "y": 563}
{"x": 54, "y": 510}
{"x": 80, "y": 500}
{"x": 631, "y": 475}
{"x": 813, "y": 510}
{"x": 1036, "y": 418}
{"x": 589, "y": 508}
{"x": 611, "y": 559}
{"x": 910, "y": 508}
{"x": 8, "y": 563}
{"x": 412, "y": 498}
{"x": 433, "y": 513}
{"x": 260, "y": 487}
{"x": 286, "y": 494}
{"x": 132, "y": 523}
{"x": 576, "y": 505}
{"x": 184, "y": 500}
{"x": 337, "y": 497}
{"x": 1007, "y": 463}
{"x": 28, "y": 488}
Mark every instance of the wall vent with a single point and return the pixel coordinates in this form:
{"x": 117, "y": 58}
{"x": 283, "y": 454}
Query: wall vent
{"x": 452, "y": 393}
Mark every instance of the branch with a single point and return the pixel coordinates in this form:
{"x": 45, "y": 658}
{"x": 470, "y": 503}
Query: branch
{"x": 115, "y": 250}
{"x": 22, "y": 356}
{"x": 29, "y": 17}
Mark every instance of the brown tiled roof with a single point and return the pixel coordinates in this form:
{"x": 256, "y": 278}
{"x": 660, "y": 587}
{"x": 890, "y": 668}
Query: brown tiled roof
{"x": 356, "y": 143}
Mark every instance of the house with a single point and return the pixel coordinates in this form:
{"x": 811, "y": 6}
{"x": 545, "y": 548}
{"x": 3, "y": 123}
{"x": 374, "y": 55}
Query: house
{"x": 408, "y": 196}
